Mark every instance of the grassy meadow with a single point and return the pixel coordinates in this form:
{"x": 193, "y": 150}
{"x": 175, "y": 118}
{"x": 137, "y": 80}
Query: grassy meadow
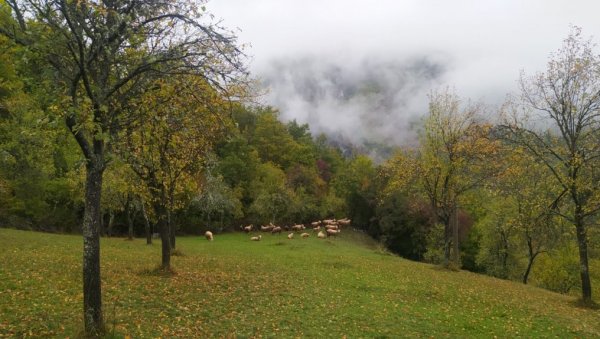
{"x": 234, "y": 287}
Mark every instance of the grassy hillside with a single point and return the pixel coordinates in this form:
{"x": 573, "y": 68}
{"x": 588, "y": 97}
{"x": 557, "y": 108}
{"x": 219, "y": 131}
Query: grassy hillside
{"x": 300, "y": 287}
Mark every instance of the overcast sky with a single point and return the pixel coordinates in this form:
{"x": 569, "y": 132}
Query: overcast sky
{"x": 320, "y": 57}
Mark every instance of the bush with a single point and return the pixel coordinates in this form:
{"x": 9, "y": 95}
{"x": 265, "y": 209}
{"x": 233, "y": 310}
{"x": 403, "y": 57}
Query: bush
{"x": 469, "y": 250}
{"x": 558, "y": 271}
{"x": 435, "y": 245}
{"x": 401, "y": 227}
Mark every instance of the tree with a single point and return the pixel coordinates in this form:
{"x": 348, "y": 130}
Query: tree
{"x": 455, "y": 156}
{"x": 35, "y": 152}
{"x": 24, "y": 170}
{"x": 567, "y": 97}
{"x": 529, "y": 204}
{"x": 238, "y": 163}
{"x": 177, "y": 123}
{"x": 329, "y": 158}
{"x": 217, "y": 201}
{"x": 118, "y": 194}
{"x": 355, "y": 182}
{"x": 104, "y": 53}
{"x": 274, "y": 142}
{"x": 499, "y": 239}
{"x": 271, "y": 196}
{"x": 402, "y": 225}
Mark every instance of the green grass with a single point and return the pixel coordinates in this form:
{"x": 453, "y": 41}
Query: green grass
{"x": 272, "y": 288}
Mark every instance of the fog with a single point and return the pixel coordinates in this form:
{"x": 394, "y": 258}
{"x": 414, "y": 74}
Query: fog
{"x": 362, "y": 71}
{"x": 368, "y": 99}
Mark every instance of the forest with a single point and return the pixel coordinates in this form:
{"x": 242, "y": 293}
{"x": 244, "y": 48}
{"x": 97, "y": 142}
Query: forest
{"x": 139, "y": 119}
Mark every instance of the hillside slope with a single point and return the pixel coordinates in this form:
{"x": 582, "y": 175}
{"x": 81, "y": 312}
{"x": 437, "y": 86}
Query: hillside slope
{"x": 300, "y": 287}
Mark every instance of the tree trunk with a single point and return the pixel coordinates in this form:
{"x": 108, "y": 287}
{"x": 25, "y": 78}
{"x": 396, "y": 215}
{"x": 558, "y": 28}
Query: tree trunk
{"x": 172, "y": 236}
{"x": 528, "y": 270}
{"x": 171, "y": 230}
{"x": 447, "y": 248}
{"x": 586, "y": 285}
{"x": 102, "y": 229}
{"x": 129, "y": 223}
{"x": 503, "y": 253}
{"x": 147, "y": 224}
{"x": 166, "y": 244}
{"x": 455, "y": 237}
{"x": 111, "y": 220}
{"x": 532, "y": 256}
{"x": 447, "y": 242}
{"x": 92, "y": 293}
{"x": 163, "y": 226}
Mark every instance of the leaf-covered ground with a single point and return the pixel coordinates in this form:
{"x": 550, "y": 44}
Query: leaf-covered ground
{"x": 275, "y": 287}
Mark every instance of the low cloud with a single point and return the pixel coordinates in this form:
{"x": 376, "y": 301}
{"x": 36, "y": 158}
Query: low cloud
{"x": 362, "y": 71}
{"x": 367, "y": 100}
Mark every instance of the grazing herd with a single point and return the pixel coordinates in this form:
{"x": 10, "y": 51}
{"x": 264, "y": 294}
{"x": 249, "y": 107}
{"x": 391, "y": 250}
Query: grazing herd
{"x": 325, "y": 228}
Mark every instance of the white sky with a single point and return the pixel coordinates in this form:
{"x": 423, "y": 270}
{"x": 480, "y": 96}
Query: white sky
{"x": 482, "y": 45}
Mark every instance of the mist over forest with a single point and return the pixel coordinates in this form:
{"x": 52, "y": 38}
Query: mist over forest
{"x": 368, "y": 100}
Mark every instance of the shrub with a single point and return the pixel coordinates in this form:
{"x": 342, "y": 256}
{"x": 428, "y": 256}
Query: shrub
{"x": 558, "y": 271}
